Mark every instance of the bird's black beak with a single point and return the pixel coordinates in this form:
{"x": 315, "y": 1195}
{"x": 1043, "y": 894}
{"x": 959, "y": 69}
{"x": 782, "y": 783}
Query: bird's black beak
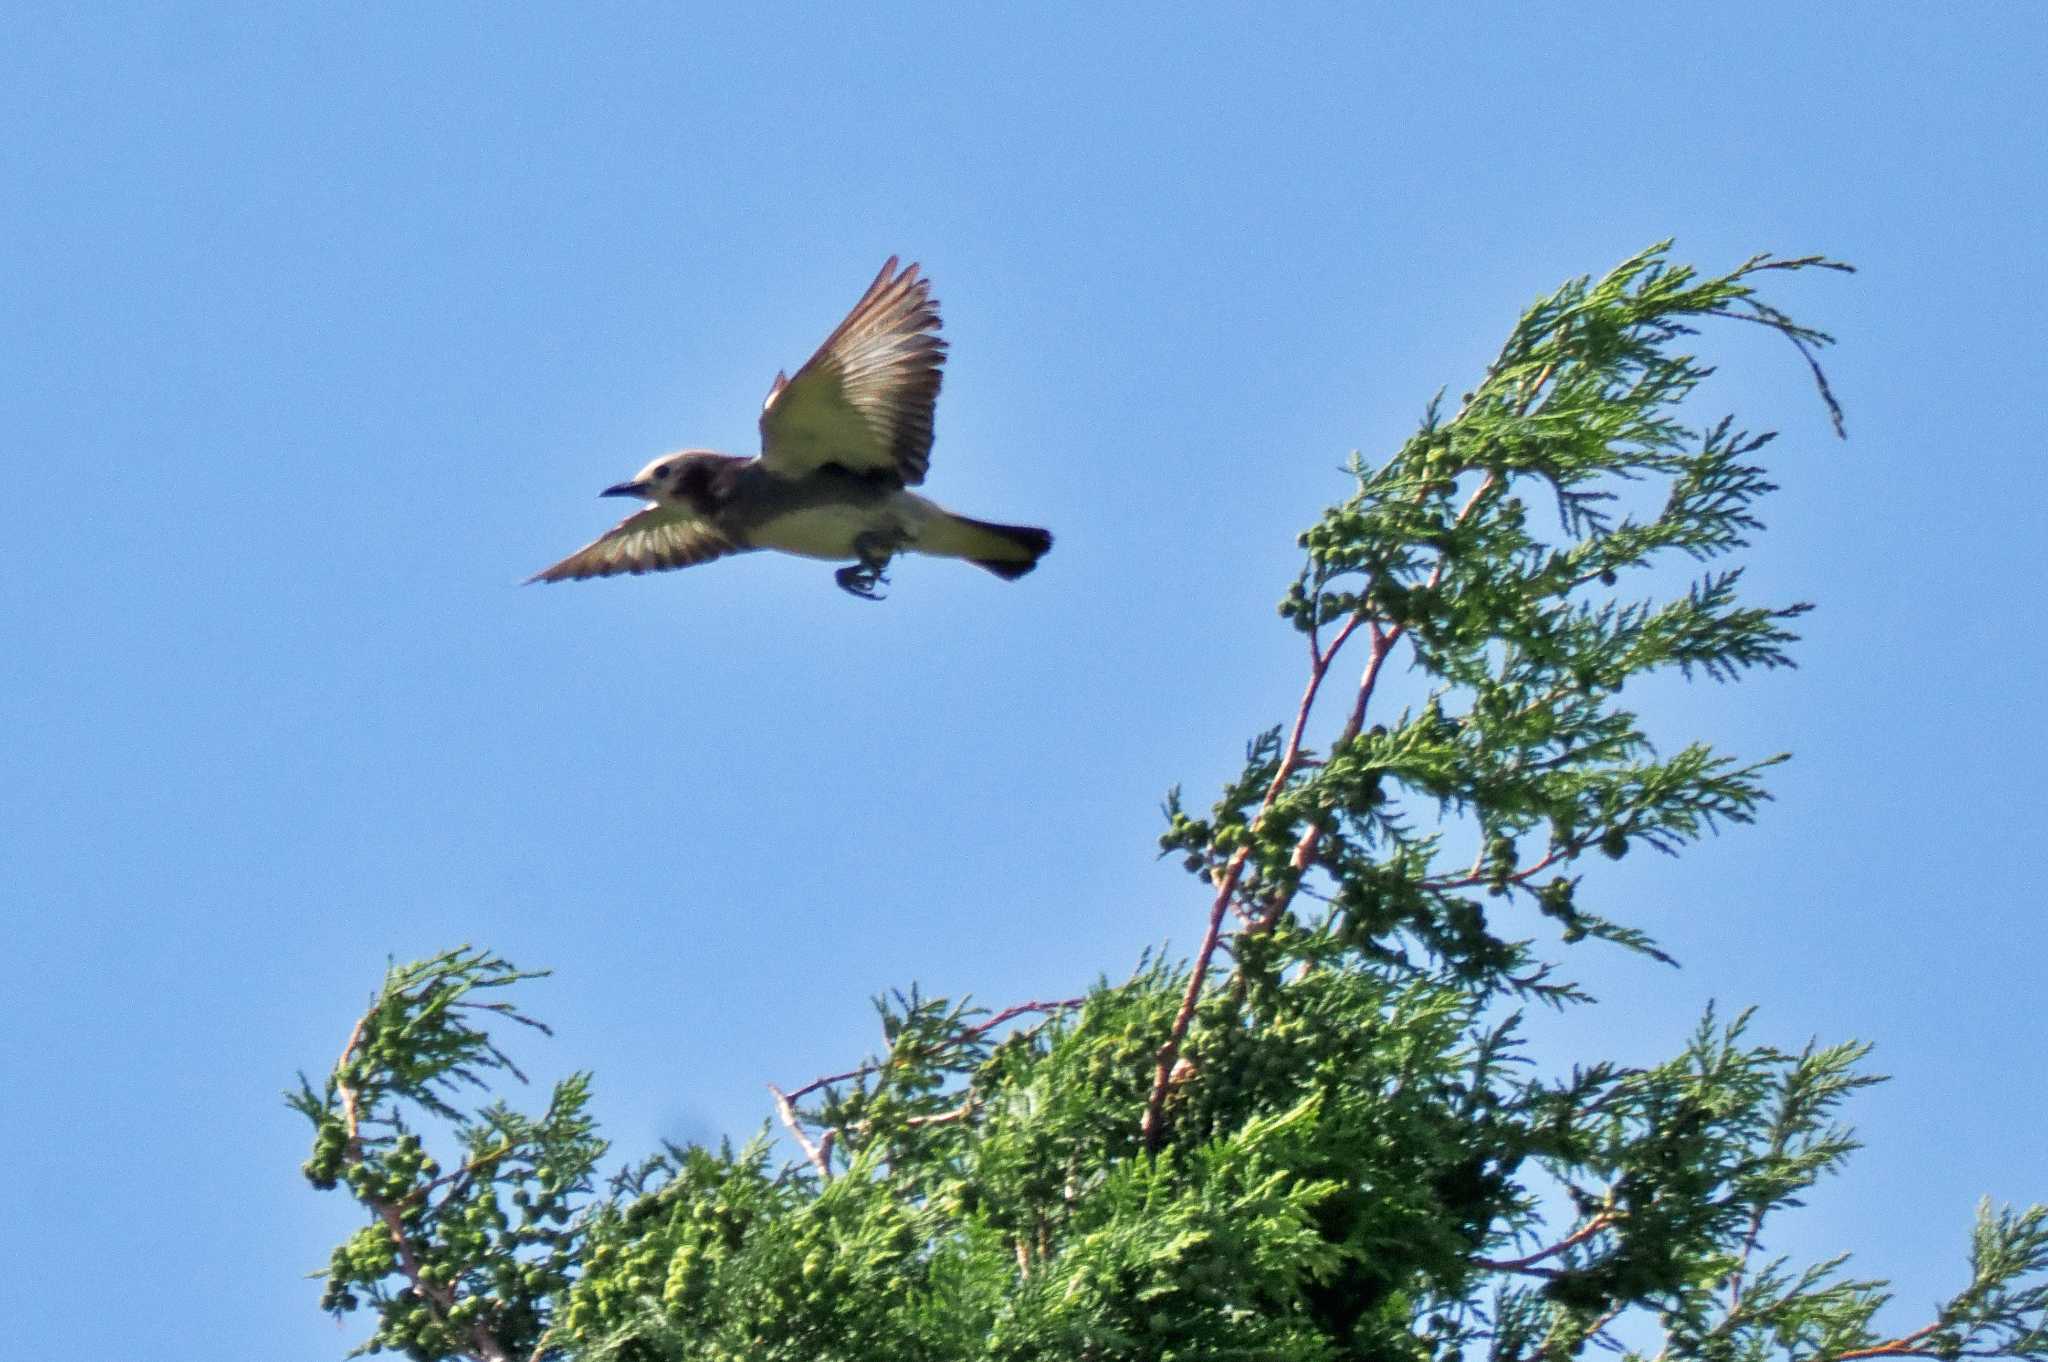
{"x": 625, "y": 489}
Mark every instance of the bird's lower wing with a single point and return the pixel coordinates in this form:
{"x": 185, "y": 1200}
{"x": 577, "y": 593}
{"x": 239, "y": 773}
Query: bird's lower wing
{"x": 647, "y": 541}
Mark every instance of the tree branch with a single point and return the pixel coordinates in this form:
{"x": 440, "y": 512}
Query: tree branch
{"x": 439, "y": 1299}
{"x": 1911, "y": 1345}
{"x": 1233, "y": 871}
{"x": 466, "y": 1171}
{"x": 1564, "y": 851}
{"x": 1384, "y": 639}
{"x": 1527, "y": 1266}
{"x": 818, "y": 1151}
{"x": 975, "y": 1031}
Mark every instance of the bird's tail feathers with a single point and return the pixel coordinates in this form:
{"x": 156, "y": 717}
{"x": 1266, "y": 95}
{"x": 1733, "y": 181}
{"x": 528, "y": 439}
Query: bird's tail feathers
{"x": 1009, "y": 551}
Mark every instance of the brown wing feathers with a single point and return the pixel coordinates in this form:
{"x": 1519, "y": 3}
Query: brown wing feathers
{"x": 646, "y": 541}
{"x": 900, "y": 366}
{"x": 880, "y": 367}
{"x": 863, "y": 401}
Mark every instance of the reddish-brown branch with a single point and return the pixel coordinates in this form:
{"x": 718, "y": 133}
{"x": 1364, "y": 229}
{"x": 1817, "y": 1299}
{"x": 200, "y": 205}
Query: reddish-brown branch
{"x": 1290, "y": 758}
{"x": 1571, "y": 1241}
{"x": 829, "y": 1079}
{"x": 1749, "y": 1243}
{"x": 1909, "y": 1346}
{"x": 1383, "y": 641}
{"x": 440, "y": 1299}
{"x": 1149, "y": 1127}
{"x": 1232, "y": 873}
{"x": 1021, "y": 1010}
{"x": 1556, "y": 854}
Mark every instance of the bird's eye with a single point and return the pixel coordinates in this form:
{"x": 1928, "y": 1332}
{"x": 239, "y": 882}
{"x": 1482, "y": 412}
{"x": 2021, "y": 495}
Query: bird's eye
{"x": 661, "y": 472}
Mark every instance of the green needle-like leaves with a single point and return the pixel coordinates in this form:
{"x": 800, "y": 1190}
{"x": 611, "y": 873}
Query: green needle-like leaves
{"x": 1318, "y": 1138}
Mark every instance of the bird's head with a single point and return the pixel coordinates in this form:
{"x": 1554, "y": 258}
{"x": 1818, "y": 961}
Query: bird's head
{"x": 655, "y": 482}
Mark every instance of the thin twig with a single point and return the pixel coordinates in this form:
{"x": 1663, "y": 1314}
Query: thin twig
{"x": 1564, "y": 851}
{"x": 1149, "y": 1128}
{"x": 1613, "y": 1313}
{"x": 1571, "y": 1241}
{"x": 1315, "y": 622}
{"x": 1908, "y": 1346}
{"x": 829, "y": 1079}
{"x": 1749, "y": 1243}
{"x": 1383, "y": 642}
{"x": 1762, "y": 314}
{"x": 959, "y": 1113}
{"x": 973, "y": 1032}
{"x": 1023, "y": 1009}
{"x": 1534, "y": 387}
{"x": 459, "y": 1175}
{"x": 1291, "y": 759}
{"x": 817, "y": 1151}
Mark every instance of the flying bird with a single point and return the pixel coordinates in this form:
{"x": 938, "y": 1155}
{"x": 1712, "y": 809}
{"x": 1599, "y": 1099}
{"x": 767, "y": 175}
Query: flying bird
{"x": 842, "y": 444}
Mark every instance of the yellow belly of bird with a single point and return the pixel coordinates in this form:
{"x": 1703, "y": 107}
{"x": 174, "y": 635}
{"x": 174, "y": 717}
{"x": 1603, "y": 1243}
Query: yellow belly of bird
{"x": 829, "y": 531}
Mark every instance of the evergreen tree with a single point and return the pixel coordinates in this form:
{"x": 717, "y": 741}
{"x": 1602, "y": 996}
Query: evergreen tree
{"x": 1317, "y": 1138}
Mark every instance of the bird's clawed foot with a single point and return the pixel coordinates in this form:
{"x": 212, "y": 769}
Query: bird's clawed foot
{"x": 865, "y": 578}
{"x": 861, "y": 580}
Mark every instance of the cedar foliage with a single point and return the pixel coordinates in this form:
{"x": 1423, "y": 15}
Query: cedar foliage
{"x": 1317, "y": 1138}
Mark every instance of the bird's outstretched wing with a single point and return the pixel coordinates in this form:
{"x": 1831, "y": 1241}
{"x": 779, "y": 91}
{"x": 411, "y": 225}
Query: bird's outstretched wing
{"x": 864, "y": 401}
{"x": 646, "y": 541}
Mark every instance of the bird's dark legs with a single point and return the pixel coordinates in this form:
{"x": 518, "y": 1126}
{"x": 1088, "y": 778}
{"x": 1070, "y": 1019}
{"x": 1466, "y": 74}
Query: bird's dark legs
{"x": 875, "y": 549}
{"x": 861, "y": 580}
{"x": 865, "y": 577}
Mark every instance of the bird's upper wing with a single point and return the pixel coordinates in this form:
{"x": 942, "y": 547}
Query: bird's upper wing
{"x": 646, "y": 541}
{"x": 864, "y": 401}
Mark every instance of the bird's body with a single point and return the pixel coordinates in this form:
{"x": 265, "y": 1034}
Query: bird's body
{"x": 841, "y": 445}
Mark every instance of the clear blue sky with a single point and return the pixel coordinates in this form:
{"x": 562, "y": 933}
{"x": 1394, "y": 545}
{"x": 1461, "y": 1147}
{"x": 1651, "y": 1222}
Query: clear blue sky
{"x": 318, "y": 332}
